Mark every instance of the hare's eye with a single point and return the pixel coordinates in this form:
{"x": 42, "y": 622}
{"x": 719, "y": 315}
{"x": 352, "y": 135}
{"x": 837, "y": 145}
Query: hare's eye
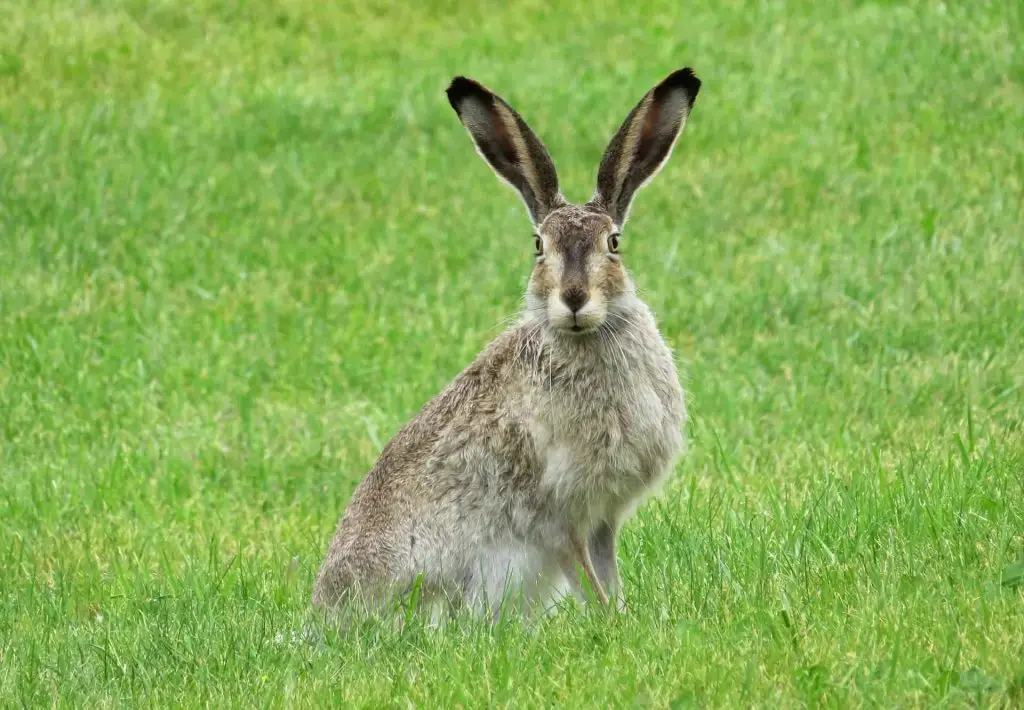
{"x": 613, "y": 243}
{"x": 538, "y": 244}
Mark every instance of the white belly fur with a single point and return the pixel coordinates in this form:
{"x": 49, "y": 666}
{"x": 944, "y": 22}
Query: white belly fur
{"x": 518, "y": 574}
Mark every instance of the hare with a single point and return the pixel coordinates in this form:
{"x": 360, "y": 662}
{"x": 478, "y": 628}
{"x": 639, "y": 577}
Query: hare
{"x": 522, "y": 471}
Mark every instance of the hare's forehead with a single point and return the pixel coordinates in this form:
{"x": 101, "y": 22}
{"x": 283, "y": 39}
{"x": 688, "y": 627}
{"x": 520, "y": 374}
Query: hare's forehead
{"x": 571, "y": 224}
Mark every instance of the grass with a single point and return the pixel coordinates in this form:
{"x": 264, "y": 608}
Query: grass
{"x": 241, "y": 244}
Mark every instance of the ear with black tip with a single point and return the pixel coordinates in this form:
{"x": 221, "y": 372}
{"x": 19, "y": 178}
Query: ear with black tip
{"x": 644, "y": 142}
{"x": 508, "y": 145}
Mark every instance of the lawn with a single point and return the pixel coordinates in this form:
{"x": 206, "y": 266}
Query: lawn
{"x": 242, "y": 243}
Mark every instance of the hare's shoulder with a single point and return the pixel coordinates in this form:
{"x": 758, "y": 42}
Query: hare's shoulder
{"x": 477, "y": 401}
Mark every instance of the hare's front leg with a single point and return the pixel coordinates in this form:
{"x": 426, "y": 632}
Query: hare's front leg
{"x": 602, "y": 547}
{"x": 579, "y": 554}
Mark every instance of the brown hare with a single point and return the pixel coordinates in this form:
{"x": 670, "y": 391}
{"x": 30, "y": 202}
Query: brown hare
{"x": 519, "y": 475}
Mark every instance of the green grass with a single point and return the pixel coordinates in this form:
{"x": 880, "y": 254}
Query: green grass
{"x": 241, "y": 244}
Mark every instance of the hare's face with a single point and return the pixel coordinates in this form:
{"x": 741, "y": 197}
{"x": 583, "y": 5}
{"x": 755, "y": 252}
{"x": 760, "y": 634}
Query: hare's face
{"x": 578, "y": 280}
{"x": 578, "y": 276}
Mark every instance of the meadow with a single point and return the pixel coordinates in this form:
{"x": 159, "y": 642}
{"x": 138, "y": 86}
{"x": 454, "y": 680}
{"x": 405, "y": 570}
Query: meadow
{"x": 242, "y": 243}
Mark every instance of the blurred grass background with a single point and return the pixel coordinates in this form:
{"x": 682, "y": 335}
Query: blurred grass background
{"x": 241, "y": 244}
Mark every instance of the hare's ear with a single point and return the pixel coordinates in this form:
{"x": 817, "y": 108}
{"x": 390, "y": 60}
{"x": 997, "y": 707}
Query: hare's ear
{"x": 508, "y": 145}
{"x": 643, "y": 142}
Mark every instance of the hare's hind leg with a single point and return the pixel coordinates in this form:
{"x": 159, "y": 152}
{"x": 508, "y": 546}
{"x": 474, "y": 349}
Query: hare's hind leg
{"x": 335, "y": 582}
{"x": 579, "y": 554}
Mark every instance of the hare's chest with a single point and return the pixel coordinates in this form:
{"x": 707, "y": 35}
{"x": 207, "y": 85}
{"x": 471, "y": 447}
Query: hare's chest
{"x": 607, "y": 446}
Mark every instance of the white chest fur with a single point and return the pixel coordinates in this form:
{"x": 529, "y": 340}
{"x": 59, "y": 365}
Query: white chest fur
{"x": 611, "y": 426}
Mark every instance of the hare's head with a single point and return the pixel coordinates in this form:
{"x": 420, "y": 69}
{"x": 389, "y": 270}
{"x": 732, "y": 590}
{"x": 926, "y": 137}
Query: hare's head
{"x": 579, "y": 277}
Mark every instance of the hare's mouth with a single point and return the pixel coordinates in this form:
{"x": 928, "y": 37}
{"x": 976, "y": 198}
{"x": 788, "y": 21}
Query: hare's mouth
{"x": 578, "y": 328}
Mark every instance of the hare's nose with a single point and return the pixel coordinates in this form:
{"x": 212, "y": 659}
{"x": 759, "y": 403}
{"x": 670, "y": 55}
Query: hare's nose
{"x": 574, "y": 299}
